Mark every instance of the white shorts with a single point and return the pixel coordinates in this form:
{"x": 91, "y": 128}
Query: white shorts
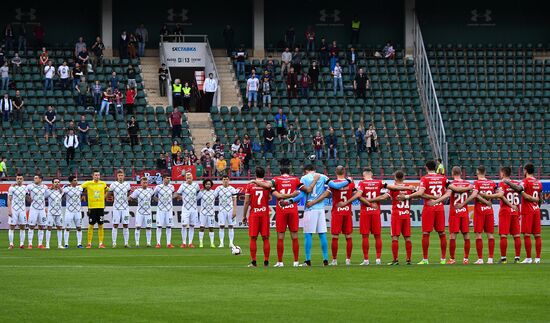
{"x": 207, "y": 221}
{"x": 120, "y": 216}
{"x": 165, "y": 219}
{"x": 315, "y": 221}
{"x": 189, "y": 218}
{"x": 17, "y": 218}
{"x": 37, "y": 217}
{"x": 73, "y": 220}
{"x": 143, "y": 220}
{"x": 55, "y": 220}
{"x": 226, "y": 218}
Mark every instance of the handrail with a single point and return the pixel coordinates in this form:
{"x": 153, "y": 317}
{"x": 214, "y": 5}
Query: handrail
{"x": 428, "y": 96}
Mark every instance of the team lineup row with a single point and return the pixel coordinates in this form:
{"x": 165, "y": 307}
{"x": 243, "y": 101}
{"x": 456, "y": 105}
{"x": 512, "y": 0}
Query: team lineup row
{"x": 312, "y": 187}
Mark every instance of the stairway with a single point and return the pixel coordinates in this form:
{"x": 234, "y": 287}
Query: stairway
{"x": 201, "y": 128}
{"x": 229, "y": 86}
{"x": 149, "y": 72}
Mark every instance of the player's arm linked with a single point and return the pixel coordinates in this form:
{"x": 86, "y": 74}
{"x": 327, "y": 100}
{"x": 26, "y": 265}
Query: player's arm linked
{"x": 515, "y": 187}
{"x": 529, "y": 198}
{"x": 470, "y": 198}
{"x": 440, "y": 199}
{"x": 319, "y": 199}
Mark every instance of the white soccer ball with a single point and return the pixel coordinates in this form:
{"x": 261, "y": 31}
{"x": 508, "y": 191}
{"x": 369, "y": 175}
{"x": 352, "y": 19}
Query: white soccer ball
{"x": 312, "y": 157}
{"x": 236, "y": 250}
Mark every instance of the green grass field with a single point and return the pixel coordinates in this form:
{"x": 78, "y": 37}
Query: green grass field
{"x": 211, "y": 285}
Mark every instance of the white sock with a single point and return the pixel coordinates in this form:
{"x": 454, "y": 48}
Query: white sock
{"x": 21, "y": 237}
{"x": 40, "y": 236}
{"x": 114, "y": 234}
{"x": 222, "y": 235}
{"x": 79, "y": 237}
{"x": 31, "y": 235}
{"x": 231, "y": 235}
{"x": 59, "y": 237}
{"x": 67, "y": 233}
{"x": 159, "y": 235}
{"x": 211, "y": 235}
{"x": 148, "y": 235}
{"x": 191, "y": 234}
{"x": 184, "y": 235}
{"x": 126, "y": 234}
{"x": 168, "y": 235}
{"x": 136, "y": 236}
{"x": 201, "y": 236}
{"x": 10, "y": 236}
{"x": 48, "y": 236}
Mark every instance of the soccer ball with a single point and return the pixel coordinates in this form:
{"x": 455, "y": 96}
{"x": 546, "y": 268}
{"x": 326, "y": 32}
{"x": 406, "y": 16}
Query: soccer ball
{"x": 312, "y": 157}
{"x": 236, "y": 250}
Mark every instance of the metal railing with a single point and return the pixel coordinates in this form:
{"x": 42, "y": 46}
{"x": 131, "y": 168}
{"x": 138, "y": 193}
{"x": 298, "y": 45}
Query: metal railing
{"x": 428, "y": 96}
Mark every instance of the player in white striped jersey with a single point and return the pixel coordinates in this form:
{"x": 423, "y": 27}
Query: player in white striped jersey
{"x": 164, "y": 193}
{"x": 17, "y": 195}
{"x": 73, "y": 211}
{"x": 227, "y": 203}
{"x": 121, "y": 211}
{"x": 208, "y": 199}
{"x": 189, "y": 216}
{"x": 144, "y": 217}
{"x": 55, "y": 218}
{"x": 37, "y": 212}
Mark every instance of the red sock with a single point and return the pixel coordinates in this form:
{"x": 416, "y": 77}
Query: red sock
{"x": 409, "y": 248}
{"x": 378, "y": 245}
{"x": 349, "y": 247}
{"x": 517, "y": 245}
{"x": 280, "y": 249}
{"x": 366, "y": 247}
{"x": 479, "y": 248}
{"x": 295, "y": 248}
{"x": 527, "y": 242}
{"x": 253, "y": 248}
{"x": 425, "y": 245}
{"x": 466, "y": 248}
{"x": 334, "y": 248}
{"x": 491, "y": 247}
{"x": 267, "y": 248}
{"x": 443, "y": 245}
{"x": 394, "y": 249}
{"x": 538, "y": 245}
{"x": 452, "y": 248}
{"x": 503, "y": 246}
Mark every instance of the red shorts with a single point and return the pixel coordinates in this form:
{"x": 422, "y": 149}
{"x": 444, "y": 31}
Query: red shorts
{"x": 369, "y": 222}
{"x": 433, "y": 219}
{"x": 459, "y": 224}
{"x": 341, "y": 224}
{"x": 284, "y": 219}
{"x": 484, "y": 223}
{"x": 258, "y": 225}
{"x": 508, "y": 223}
{"x": 530, "y": 222}
{"x": 400, "y": 226}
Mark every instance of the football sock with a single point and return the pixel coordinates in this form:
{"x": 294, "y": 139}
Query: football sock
{"x": 408, "y": 247}
{"x": 253, "y": 248}
{"x": 280, "y": 249}
{"x": 365, "y": 246}
{"x": 443, "y": 245}
{"x": 79, "y": 237}
{"x": 10, "y": 236}
{"x": 334, "y": 247}
{"x": 211, "y": 236}
{"x": 267, "y": 248}
{"x": 100, "y": 233}
{"x": 159, "y": 235}
{"x": 517, "y": 245}
{"x": 191, "y": 234}
{"x": 231, "y": 235}
{"x": 48, "y": 237}
{"x": 168, "y": 235}
{"x": 67, "y": 233}
{"x": 137, "y": 234}
{"x": 503, "y": 246}
{"x": 378, "y": 245}
{"x": 295, "y": 248}
{"x": 184, "y": 235}
{"x": 114, "y": 234}
{"x": 466, "y": 248}
{"x": 349, "y": 247}
{"x": 40, "y": 236}
{"x": 30, "y": 235}
{"x": 90, "y": 233}
{"x": 395, "y": 249}
{"x": 324, "y": 245}
{"x": 59, "y": 237}
{"x": 201, "y": 236}
{"x": 221, "y": 235}
{"x": 308, "y": 240}
{"x": 148, "y": 235}
{"x": 425, "y": 245}
{"x": 538, "y": 245}
{"x": 126, "y": 235}
{"x": 491, "y": 247}
{"x": 452, "y": 248}
{"x": 479, "y": 248}
{"x": 21, "y": 237}
{"x": 527, "y": 242}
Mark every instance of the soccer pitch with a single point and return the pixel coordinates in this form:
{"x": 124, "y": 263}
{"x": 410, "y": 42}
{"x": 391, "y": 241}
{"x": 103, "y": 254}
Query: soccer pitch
{"x": 211, "y": 285}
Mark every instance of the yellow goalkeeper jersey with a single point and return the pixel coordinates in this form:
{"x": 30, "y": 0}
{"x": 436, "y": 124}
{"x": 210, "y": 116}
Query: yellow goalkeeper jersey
{"x": 96, "y": 194}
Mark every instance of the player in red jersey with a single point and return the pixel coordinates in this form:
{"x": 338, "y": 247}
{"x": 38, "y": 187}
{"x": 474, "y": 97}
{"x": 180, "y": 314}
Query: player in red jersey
{"x": 531, "y": 193}
{"x": 459, "y": 217}
{"x": 484, "y": 218}
{"x": 508, "y": 215}
{"x": 257, "y": 198}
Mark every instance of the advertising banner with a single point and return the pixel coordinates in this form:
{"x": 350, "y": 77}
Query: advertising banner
{"x": 185, "y": 54}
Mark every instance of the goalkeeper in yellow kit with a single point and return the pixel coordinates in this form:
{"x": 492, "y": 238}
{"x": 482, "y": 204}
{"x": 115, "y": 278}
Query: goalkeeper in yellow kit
{"x": 95, "y": 190}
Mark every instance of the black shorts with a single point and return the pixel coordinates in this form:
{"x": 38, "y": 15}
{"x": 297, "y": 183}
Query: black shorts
{"x": 95, "y": 216}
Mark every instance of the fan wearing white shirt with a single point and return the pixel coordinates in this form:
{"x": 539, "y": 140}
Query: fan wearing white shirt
{"x": 144, "y": 218}
{"x": 164, "y": 194}
{"x": 71, "y": 143}
{"x": 210, "y": 88}
{"x": 227, "y": 203}
{"x": 337, "y": 74}
{"x": 64, "y": 72}
{"x": 49, "y": 72}
{"x": 121, "y": 210}
{"x": 252, "y": 85}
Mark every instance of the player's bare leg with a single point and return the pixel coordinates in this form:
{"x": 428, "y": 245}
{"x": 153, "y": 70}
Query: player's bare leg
{"x": 211, "y": 236}
{"x": 528, "y": 248}
{"x": 394, "y": 250}
{"x": 365, "y": 247}
{"x": 280, "y": 249}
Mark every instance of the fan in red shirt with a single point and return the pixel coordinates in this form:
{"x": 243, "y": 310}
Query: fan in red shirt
{"x": 257, "y": 198}
{"x": 508, "y": 215}
{"x": 484, "y": 218}
{"x": 531, "y": 193}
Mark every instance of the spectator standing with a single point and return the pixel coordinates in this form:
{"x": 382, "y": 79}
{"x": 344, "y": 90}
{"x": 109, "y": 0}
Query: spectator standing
{"x": 310, "y": 39}
{"x": 71, "y": 143}
{"x": 175, "y": 119}
{"x": 236, "y": 146}
{"x": 270, "y": 66}
{"x": 18, "y": 104}
{"x": 177, "y": 97}
{"x": 83, "y": 128}
{"x": 132, "y": 46}
{"x": 207, "y": 164}
{"x": 440, "y": 168}
{"x": 304, "y": 84}
{"x": 163, "y": 76}
{"x": 7, "y": 106}
{"x": 3, "y": 167}
{"x": 291, "y": 84}
{"x": 235, "y": 166}
{"x": 266, "y": 92}
{"x": 39, "y": 35}
{"x": 240, "y": 57}
{"x": 280, "y": 123}
{"x": 2, "y": 57}
{"x": 291, "y": 138}
{"x": 175, "y": 149}
{"x": 133, "y": 131}
{"x": 361, "y": 84}
{"x": 97, "y": 91}
{"x": 49, "y": 118}
{"x": 63, "y": 73}
{"x": 16, "y": 63}
{"x": 297, "y": 60}
{"x": 130, "y": 99}
{"x": 323, "y": 52}
{"x": 131, "y": 75}
{"x": 97, "y": 49}
{"x": 360, "y": 139}
{"x": 22, "y": 46}
{"x": 371, "y": 139}
{"x": 252, "y": 85}
{"x": 123, "y": 41}
{"x": 207, "y": 150}
{"x": 286, "y": 58}
{"x": 246, "y": 147}
{"x": 332, "y": 144}
{"x": 43, "y": 59}
{"x": 161, "y": 163}
{"x": 218, "y": 147}
{"x": 210, "y": 88}
{"x": 290, "y": 37}
{"x": 318, "y": 145}
{"x": 388, "y": 51}
{"x": 76, "y": 74}
{"x": 337, "y": 74}
{"x": 9, "y": 39}
{"x": 355, "y": 28}
{"x": 186, "y": 90}
{"x": 221, "y": 166}
{"x": 5, "y": 71}
{"x": 334, "y": 51}
{"x": 113, "y": 81}
{"x": 142, "y": 36}
{"x": 83, "y": 59}
{"x": 117, "y": 100}
{"x": 106, "y": 102}
{"x": 269, "y": 137}
{"x": 79, "y": 46}
{"x": 228, "y": 38}
{"x": 83, "y": 90}
{"x": 352, "y": 62}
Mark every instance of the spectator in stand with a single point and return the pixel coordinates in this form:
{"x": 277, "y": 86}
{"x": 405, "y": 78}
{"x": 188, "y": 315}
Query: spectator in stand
{"x": 130, "y": 100}
{"x": 106, "y": 102}
{"x": 388, "y": 51}
{"x": 193, "y": 157}
{"x": 16, "y": 62}
{"x": 83, "y": 59}
{"x": 290, "y": 37}
{"x": 371, "y": 139}
{"x": 252, "y": 85}
{"x": 161, "y": 163}
{"x": 117, "y": 100}
{"x": 334, "y": 51}
{"x": 175, "y": 120}
{"x": 163, "y": 76}
{"x": 131, "y": 75}
{"x": 186, "y": 97}
{"x": 360, "y": 139}
{"x": 132, "y": 46}
{"x": 291, "y": 84}
{"x": 304, "y": 84}
{"x": 242, "y": 155}
{"x": 76, "y": 74}
{"x": 270, "y": 66}
{"x": 355, "y": 28}
{"x": 97, "y": 49}
{"x": 352, "y": 62}
{"x": 323, "y": 52}
{"x": 7, "y": 106}
{"x": 228, "y": 38}
{"x": 164, "y": 31}
{"x": 3, "y": 167}
{"x": 113, "y": 81}
{"x": 210, "y": 88}
{"x": 2, "y": 58}
{"x": 83, "y": 128}
{"x": 291, "y": 137}
{"x": 22, "y": 46}
{"x": 133, "y": 131}
{"x": 361, "y": 84}
{"x": 332, "y": 144}
{"x": 97, "y": 91}
{"x": 5, "y": 71}
{"x": 297, "y": 60}
{"x": 286, "y": 58}
{"x": 247, "y": 150}
{"x": 43, "y": 60}
{"x": 9, "y": 39}
{"x": 49, "y": 118}
{"x": 310, "y": 39}
{"x": 178, "y": 31}
{"x": 236, "y": 146}
{"x": 142, "y": 36}
{"x": 265, "y": 87}
{"x": 123, "y": 41}
{"x": 337, "y": 74}
{"x": 207, "y": 150}
{"x": 235, "y": 166}
{"x": 221, "y": 166}
{"x": 318, "y": 145}
{"x": 218, "y": 147}
{"x": 83, "y": 89}
{"x": 49, "y": 72}
{"x": 207, "y": 164}
{"x": 179, "y": 160}
{"x": 63, "y": 73}
{"x": 71, "y": 126}
{"x": 314, "y": 75}
{"x": 39, "y": 34}
{"x": 79, "y": 46}
{"x": 175, "y": 149}
{"x": 71, "y": 143}
{"x": 269, "y": 137}
{"x": 18, "y": 104}
{"x": 240, "y": 57}
{"x": 280, "y": 123}
{"x": 177, "y": 90}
